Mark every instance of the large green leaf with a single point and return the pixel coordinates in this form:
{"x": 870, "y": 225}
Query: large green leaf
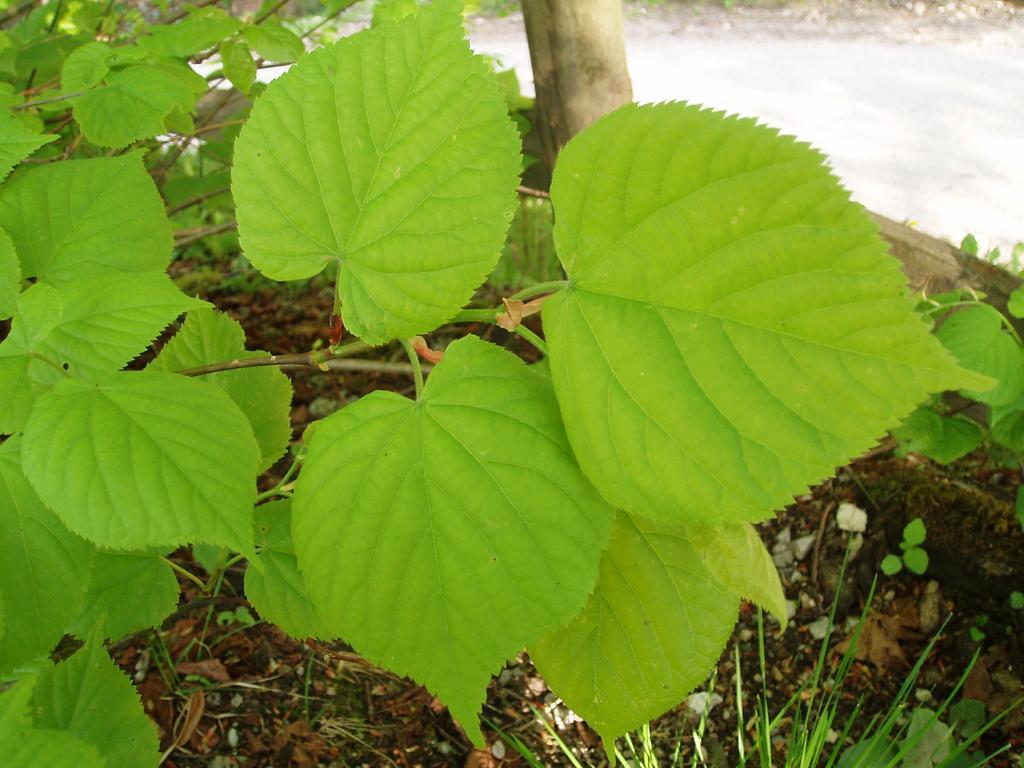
{"x": 942, "y": 438}
{"x": 1008, "y": 424}
{"x": 976, "y": 337}
{"x": 263, "y": 394}
{"x": 200, "y": 30}
{"x": 23, "y": 377}
{"x": 390, "y": 152}
{"x": 141, "y": 459}
{"x": 274, "y": 43}
{"x": 68, "y": 220}
{"x": 463, "y": 523}
{"x": 737, "y": 559}
{"x": 18, "y": 390}
{"x": 733, "y": 328}
{"x": 90, "y": 698}
{"x": 278, "y": 593}
{"x": 134, "y": 102}
{"x": 650, "y": 633}
{"x": 239, "y": 66}
{"x": 10, "y": 276}
{"x": 17, "y": 141}
{"x": 131, "y": 590}
{"x": 85, "y": 67}
{"x": 43, "y": 570}
{"x": 22, "y": 744}
{"x": 104, "y": 321}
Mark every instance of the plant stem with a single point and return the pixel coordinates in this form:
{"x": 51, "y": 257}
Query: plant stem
{"x": 197, "y": 200}
{"x": 477, "y": 315}
{"x": 551, "y": 286}
{"x": 52, "y": 363}
{"x": 185, "y": 237}
{"x": 525, "y": 333}
{"x": 531, "y": 192}
{"x": 186, "y": 573}
{"x": 417, "y": 371}
{"x": 50, "y": 100}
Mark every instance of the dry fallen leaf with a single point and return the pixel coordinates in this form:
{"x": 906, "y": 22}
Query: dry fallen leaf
{"x": 879, "y": 643}
{"x": 516, "y": 310}
{"x": 211, "y": 669}
{"x": 190, "y": 717}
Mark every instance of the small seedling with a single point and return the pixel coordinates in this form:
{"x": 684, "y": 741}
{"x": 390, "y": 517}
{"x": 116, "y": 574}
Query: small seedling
{"x": 1017, "y": 600}
{"x": 915, "y": 558}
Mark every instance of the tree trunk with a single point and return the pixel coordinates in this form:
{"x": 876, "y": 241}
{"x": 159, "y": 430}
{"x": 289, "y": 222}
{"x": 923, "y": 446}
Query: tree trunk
{"x": 934, "y": 266}
{"x": 577, "y": 49}
{"x": 578, "y": 54}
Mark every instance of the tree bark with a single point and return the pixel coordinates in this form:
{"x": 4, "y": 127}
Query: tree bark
{"x": 578, "y": 54}
{"x": 934, "y": 266}
{"x": 577, "y": 49}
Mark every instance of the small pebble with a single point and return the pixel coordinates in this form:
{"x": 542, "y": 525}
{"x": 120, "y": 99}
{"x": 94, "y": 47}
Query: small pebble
{"x": 232, "y": 737}
{"x": 819, "y": 628}
{"x": 498, "y": 749}
{"x": 851, "y": 518}
{"x": 802, "y": 546}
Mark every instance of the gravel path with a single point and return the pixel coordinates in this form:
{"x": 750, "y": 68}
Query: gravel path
{"x": 921, "y": 107}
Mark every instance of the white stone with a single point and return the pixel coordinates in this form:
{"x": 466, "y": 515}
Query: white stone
{"x": 802, "y": 546}
{"x": 850, "y": 517}
{"x": 819, "y": 628}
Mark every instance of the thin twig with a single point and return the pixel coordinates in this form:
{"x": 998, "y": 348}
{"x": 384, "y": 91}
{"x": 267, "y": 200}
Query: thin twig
{"x": 16, "y": 12}
{"x": 531, "y": 192}
{"x": 270, "y": 11}
{"x": 185, "y": 237}
{"x": 51, "y": 100}
{"x": 197, "y": 200}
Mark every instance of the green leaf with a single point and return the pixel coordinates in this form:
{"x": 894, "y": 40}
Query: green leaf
{"x": 653, "y": 627}
{"x": 941, "y": 438}
{"x": 18, "y": 390}
{"x": 916, "y": 560}
{"x": 1017, "y": 600}
{"x": 134, "y": 103}
{"x": 274, "y": 43}
{"x": 70, "y": 219}
{"x": 133, "y": 590}
{"x": 976, "y": 337}
{"x": 734, "y": 327}
{"x": 85, "y": 67}
{"x": 239, "y": 66}
{"x": 17, "y": 141}
{"x": 208, "y": 556}
{"x": 107, "y": 320}
{"x": 1007, "y": 424}
{"x": 1015, "y": 304}
{"x": 422, "y": 161}
{"x": 385, "y": 11}
{"x": 1019, "y": 506}
{"x": 263, "y": 394}
{"x": 928, "y": 740}
{"x": 278, "y": 593}
{"x": 969, "y": 245}
{"x": 738, "y": 560}
{"x": 195, "y": 33}
{"x": 43, "y": 571}
{"x": 90, "y": 698}
{"x": 141, "y": 459}
{"x": 24, "y": 376}
{"x": 914, "y": 532}
{"x": 21, "y": 744}
{"x": 464, "y": 525}
{"x": 10, "y": 276}
{"x": 969, "y": 716}
{"x": 891, "y": 565}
